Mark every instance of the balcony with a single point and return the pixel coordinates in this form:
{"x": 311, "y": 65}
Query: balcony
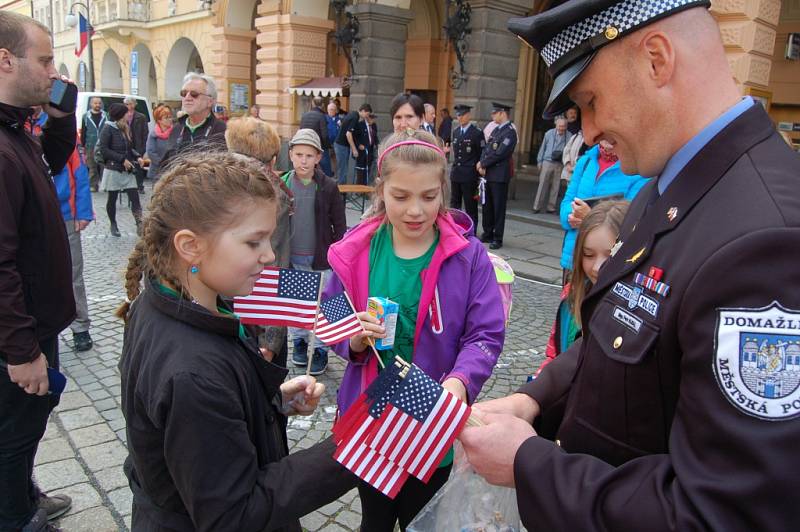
{"x": 138, "y": 16}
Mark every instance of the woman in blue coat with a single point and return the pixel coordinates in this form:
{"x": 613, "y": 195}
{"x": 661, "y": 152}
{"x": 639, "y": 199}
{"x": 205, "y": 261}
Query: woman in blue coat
{"x": 597, "y": 173}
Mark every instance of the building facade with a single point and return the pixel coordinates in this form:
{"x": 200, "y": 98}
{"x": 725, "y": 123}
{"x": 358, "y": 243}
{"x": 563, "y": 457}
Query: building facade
{"x": 259, "y": 49}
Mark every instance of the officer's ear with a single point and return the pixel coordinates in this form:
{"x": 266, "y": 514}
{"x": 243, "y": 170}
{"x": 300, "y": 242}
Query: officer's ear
{"x": 658, "y": 52}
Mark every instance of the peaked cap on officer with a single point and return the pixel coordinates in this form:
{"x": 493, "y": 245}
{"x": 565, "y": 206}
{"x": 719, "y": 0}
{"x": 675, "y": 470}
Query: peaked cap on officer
{"x": 569, "y": 36}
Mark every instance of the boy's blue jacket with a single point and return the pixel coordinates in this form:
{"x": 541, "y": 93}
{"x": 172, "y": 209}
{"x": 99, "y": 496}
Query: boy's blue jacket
{"x": 72, "y": 187}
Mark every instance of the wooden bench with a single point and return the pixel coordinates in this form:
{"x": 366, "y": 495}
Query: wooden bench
{"x": 353, "y": 193}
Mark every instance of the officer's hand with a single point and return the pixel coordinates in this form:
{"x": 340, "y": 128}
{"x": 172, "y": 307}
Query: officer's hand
{"x": 31, "y": 377}
{"x": 372, "y": 329}
{"x": 301, "y": 395}
{"x": 491, "y": 448}
{"x": 518, "y": 405}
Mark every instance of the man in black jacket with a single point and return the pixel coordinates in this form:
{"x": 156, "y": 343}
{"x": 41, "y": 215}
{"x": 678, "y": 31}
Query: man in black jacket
{"x": 315, "y": 119}
{"x": 679, "y": 409}
{"x": 198, "y": 129}
{"x": 36, "y": 299}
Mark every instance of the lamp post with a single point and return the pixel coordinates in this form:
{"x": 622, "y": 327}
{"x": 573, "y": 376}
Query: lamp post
{"x": 71, "y": 21}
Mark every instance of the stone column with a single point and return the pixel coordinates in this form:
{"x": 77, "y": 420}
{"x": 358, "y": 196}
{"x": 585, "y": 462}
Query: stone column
{"x": 492, "y": 62}
{"x": 231, "y": 52}
{"x": 292, "y": 49}
{"x": 748, "y": 29}
{"x": 381, "y": 65}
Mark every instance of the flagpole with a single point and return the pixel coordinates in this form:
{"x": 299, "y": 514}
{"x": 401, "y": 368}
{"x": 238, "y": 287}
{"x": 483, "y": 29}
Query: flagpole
{"x": 310, "y": 345}
{"x": 370, "y": 341}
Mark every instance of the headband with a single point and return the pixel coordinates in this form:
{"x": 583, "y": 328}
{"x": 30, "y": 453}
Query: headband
{"x": 412, "y": 142}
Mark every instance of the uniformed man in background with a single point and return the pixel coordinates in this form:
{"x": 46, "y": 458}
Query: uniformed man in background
{"x": 496, "y": 168}
{"x": 466, "y": 145}
{"x": 680, "y": 407}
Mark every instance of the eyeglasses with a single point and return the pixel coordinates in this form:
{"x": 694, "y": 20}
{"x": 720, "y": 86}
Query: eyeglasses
{"x": 193, "y": 94}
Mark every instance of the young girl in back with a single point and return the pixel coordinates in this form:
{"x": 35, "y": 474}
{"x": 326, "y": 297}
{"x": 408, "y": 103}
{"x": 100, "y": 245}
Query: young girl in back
{"x": 415, "y": 252}
{"x": 596, "y": 236}
{"x": 204, "y": 410}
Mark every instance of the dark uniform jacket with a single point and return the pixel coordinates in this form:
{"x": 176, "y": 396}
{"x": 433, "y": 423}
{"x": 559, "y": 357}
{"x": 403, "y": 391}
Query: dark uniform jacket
{"x": 466, "y": 151}
{"x": 206, "y": 439}
{"x": 496, "y": 156}
{"x": 661, "y": 432}
{"x": 36, "y": 300}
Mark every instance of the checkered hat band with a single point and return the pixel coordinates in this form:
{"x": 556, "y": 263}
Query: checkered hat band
{"x": 622, "y": 16}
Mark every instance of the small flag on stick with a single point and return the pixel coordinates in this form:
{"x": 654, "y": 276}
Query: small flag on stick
{"x": 282, "y": 297}
{"x": 337, "y": 320}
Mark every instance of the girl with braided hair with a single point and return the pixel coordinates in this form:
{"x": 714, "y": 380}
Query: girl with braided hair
{"x": 205, "y": 409}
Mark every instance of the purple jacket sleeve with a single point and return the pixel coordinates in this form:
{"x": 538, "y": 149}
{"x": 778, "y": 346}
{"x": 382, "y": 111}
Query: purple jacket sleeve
{"x": 484, "y": 329}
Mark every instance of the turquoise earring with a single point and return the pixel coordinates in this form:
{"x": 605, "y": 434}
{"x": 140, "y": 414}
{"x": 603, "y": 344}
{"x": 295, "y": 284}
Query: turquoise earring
{"x": 194, "y": 268}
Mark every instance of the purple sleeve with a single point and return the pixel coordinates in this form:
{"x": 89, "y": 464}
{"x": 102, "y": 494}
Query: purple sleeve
{"x": 484, "y": 329}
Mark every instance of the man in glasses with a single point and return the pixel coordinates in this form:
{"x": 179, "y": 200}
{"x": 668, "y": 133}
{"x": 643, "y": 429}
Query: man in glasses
{"x": 198, "y": 129}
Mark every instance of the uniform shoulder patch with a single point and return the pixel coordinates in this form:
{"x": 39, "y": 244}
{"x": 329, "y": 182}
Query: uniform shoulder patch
{"x": 757, "y": 360}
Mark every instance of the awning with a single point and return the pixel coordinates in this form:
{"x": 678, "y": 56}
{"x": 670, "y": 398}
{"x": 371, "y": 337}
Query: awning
{"x": 321, "y": 87}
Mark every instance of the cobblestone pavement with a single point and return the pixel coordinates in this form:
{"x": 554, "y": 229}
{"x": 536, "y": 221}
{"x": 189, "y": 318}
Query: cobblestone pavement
{"x": 84, "y": 447}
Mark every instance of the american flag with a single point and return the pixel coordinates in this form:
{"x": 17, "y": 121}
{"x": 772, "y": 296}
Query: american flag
{"x": 281, "y": 296}
{"x": 337, "y": 320}
{"x": 353, "y": 428}
{"x": 418, "y": 425}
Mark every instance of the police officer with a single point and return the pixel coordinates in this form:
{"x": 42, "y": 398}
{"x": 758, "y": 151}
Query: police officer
{"x": 496, "y": 167}
{"x": 467, "y": 144}
{"x": 680, "y": 407}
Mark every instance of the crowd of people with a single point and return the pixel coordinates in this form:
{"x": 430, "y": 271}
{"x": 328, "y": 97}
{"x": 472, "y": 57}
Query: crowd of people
{"x": 664, "y": 389}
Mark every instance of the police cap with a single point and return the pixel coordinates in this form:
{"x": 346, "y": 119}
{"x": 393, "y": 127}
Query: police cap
{"x": 497, "y": 107}
{"x": 568, "y": 36}
{"x": 462, "y": 109}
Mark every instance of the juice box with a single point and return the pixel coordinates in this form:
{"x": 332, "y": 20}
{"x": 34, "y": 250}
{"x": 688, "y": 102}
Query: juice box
{"x": 386, "y": 311}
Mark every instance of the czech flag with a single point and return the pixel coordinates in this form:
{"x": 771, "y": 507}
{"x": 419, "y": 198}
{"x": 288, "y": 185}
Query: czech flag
{"x": 85, "y": 32}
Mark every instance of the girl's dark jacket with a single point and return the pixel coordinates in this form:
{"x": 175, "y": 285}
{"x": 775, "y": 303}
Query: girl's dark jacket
{"x": 206, "y": 439}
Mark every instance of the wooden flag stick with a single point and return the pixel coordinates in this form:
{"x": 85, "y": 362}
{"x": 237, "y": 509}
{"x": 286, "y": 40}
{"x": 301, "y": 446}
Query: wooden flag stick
{"x": 310, "y": 345}
{"x": 370, "y": 341}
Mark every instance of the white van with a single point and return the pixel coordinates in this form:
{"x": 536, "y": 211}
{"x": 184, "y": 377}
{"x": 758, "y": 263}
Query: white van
{"x": 142, "y": 105}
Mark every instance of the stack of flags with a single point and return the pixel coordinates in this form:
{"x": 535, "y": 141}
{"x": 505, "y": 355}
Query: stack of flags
{"x": 403, "y": 424}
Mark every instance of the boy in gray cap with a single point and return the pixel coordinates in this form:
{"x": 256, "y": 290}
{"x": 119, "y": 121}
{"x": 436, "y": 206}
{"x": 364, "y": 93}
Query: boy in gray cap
{"x": 318, "y": 221}
{"x": 679, "y": 409}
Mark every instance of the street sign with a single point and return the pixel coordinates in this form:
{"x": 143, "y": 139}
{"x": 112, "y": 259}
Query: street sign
{"x": 134, "y": 72}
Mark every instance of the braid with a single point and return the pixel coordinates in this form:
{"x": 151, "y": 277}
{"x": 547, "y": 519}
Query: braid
{"x": 137, "y": 263}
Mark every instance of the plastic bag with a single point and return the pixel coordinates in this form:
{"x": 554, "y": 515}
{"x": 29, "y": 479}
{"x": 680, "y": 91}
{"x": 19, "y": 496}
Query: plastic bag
{"x": 467, "y": 503}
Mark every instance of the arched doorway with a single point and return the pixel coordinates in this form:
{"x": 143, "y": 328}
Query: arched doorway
{"x": 183, "y": 58}
{"x": 427, "y": 60}
{"x": 146, "y": 84}
{"x": 111, "y": 77}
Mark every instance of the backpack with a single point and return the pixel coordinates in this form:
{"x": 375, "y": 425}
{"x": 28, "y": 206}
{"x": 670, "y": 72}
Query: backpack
{"x": 505, "y": 281}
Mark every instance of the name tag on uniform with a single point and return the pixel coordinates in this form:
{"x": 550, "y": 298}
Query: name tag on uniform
{"x": 627, "y": 319}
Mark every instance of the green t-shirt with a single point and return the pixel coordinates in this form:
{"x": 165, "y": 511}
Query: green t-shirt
{"x": 401, "y": 281}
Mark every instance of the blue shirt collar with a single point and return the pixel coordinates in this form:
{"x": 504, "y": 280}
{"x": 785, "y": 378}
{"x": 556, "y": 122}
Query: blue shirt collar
{"x": 682, "y": 157}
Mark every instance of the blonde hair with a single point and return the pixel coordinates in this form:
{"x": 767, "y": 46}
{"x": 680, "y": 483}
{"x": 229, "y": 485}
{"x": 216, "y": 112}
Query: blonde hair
{"x": 253, "y": 137}
{"x": 605, "y": 214}
{"x": 201, "y": 192}
{"x": 410, "y": 154}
